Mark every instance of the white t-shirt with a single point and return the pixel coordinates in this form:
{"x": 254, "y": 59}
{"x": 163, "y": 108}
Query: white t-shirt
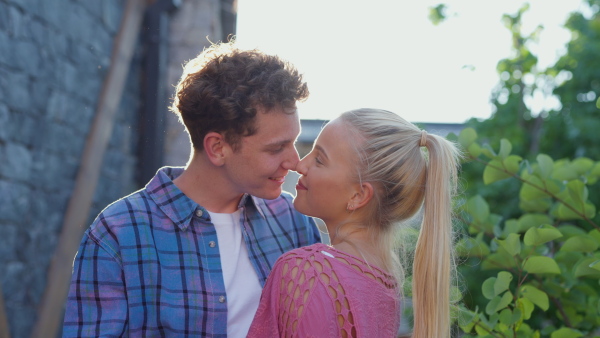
{"x": 241, "y": 281}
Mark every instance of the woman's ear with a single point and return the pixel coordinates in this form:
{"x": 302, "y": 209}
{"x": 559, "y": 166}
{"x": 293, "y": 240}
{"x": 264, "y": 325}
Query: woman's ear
{"x": 362, "y": 196}
{"x": 214, "y": 145}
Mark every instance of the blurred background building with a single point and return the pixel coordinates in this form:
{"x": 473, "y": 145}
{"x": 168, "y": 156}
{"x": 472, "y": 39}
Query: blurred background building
{"x": 84, "y": 90}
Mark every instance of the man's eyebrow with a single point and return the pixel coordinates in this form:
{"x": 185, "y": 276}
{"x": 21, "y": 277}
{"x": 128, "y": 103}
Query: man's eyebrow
{"x": 320, "y": 149}
{"x": 278, "y": 143}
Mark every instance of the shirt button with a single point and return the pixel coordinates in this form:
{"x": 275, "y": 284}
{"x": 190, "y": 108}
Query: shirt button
{"x": 212, "y": 244}
{"x": 222, "y": 299}
{"x": 199, "y": 213}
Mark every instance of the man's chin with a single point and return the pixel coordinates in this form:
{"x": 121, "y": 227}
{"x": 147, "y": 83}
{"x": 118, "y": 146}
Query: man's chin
{"x": 269, "y": 195}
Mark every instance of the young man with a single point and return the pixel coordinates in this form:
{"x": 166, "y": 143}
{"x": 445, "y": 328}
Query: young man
{"x": 188, "y": 255}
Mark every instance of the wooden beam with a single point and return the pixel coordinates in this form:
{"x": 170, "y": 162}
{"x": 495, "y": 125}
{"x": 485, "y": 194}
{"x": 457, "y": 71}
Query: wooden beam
{"x": 4, "y": 332}
{"x": 59, "y": 274}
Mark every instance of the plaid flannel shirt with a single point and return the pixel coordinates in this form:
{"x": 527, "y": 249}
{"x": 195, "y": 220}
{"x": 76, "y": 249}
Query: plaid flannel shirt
{"x": 149, "y": 265}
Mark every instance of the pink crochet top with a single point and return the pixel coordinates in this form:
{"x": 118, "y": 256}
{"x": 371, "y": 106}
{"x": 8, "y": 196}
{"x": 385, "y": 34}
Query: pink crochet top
{"x": 318, "y": 291}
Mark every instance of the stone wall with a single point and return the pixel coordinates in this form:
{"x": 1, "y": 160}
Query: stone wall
{"x": 191, "y": 28}
{"x": 54, "y": 56}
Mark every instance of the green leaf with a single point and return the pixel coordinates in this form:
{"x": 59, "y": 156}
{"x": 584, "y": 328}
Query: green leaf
{"x": 598, "y": 103}
{"x": 510, "y": 226}
{"x": 502, "y": 283}
{"x": 596, "y": 170}
{"x": 517, "y": 316}
{"x": 470, "y": 247}
{"x": 567, "y": 260}
{"x": 487, "y": 288}
{"x": 536, "y": 296}
{"x": 511, "y": 244}
{"x": 565, "y": 332}
{"x": 547, "y": 330}
{"x": 540, "y": 235}
{"x": 488, "y": 151}
{"x": 539, "y": 205}
{"x": 595, "y": 234}
{"x": 565, "y": 213}
{"x": 506, "y": 317}
{"x": 526, "y": 306}
{"x": 578, "y": 193}
{"x": 455, "y": 295}
{"x": 451, "y": 136}
{"x": 595, "y": 265}
{"x": 498, "y": 260}
{"x": 590, "y": 210}
{"x": 478, "y": 208}
{"x": 582, "y": 165}
{"x": 541, "y": 264}
{"x": 553, "y": 185}
{"x": 498, "y": 303}
{"x": 467, "y": 319}
{"x": 474, "y": 149}
{"x": 570, "y": 230}
{"x": 528, "y": 221}
{"x": 564, "y": 171}
{"x": 511, "y": 163}
{"x": 580, "y": 243}
{"x": 494, "y": 172}
{"x": 529, "y": 190}
{"x": 505, "y": 148}
{"x": 482, "y": 329}
{"x": 437, "y": 14}
{"x": 583, "y": 269}
{"x": 466, "y": 137}
{"x": 546, "y": 165}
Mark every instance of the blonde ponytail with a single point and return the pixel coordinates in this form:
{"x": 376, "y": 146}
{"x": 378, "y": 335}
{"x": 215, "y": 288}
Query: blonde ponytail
{"x": 434, "y": 262}
{"x": 407, "y": 178}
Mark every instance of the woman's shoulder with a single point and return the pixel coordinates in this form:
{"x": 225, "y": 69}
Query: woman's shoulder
{"x": 303, "y": 252}
{"x": 303, "y": 256}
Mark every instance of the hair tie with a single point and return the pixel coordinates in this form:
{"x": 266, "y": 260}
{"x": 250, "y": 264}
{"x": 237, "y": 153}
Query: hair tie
{"x": 423, "y": 142}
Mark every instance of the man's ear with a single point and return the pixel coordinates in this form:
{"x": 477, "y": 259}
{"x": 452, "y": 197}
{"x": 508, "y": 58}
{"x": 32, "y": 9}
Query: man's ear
{"x": 362, "y": 196}
{"x": 214, "y": 146}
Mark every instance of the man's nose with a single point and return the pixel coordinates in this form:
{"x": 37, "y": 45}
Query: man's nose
{"x": 301, "y": 166}
{"x": 292, "y": 159}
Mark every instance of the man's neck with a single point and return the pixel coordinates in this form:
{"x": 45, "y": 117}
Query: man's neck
{"x": 204, "y": 183}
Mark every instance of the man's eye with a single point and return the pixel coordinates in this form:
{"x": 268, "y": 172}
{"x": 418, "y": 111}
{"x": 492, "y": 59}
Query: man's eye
{"x": 318, "y": 160}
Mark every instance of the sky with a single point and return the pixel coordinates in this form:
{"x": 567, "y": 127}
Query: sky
{"x": 387, "y": 54}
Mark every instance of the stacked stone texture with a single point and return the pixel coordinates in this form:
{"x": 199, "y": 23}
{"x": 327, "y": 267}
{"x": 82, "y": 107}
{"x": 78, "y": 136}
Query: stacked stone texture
{"x": 54, "y": 57}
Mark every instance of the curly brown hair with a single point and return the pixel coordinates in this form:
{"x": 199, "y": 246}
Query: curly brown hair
{"x": 222, "y": 88}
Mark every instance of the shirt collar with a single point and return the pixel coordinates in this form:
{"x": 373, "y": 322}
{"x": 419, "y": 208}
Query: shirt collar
{"x": 180, "y": 208}
{"x": 249, "y": 200}
{"x": 169, "y": 198}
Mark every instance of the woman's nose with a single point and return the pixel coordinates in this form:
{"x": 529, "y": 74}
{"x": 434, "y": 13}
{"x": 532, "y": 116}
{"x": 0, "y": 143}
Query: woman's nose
{"x": 301, "y": 167}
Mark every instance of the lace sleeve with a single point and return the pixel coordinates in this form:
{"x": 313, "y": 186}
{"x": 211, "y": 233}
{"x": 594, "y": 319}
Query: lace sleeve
{"x": 264, "y": 323}
{"x": 284, "y": 297}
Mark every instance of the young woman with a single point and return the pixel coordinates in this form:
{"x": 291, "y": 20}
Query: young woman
{"x": 369, "y": 171}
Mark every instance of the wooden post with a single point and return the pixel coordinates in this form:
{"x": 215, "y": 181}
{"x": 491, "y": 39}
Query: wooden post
{"x": 4, "y": 332}
{"x": 59, "y": 274}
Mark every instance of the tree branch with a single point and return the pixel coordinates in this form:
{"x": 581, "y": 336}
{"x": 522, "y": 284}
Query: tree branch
{"x": 546, "y": 191}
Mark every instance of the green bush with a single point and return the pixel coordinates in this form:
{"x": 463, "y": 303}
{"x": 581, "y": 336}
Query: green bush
{"x": 544, "y": 263}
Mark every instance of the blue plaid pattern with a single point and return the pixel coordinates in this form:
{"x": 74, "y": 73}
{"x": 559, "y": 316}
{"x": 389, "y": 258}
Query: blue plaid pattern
{"x": 149, "y": 265}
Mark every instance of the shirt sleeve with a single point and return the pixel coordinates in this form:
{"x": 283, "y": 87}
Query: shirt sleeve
{"x": 97, "y": 303}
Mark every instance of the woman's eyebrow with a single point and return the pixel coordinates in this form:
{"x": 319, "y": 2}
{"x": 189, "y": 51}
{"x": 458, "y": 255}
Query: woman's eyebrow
{"x": 320, "y": 149}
